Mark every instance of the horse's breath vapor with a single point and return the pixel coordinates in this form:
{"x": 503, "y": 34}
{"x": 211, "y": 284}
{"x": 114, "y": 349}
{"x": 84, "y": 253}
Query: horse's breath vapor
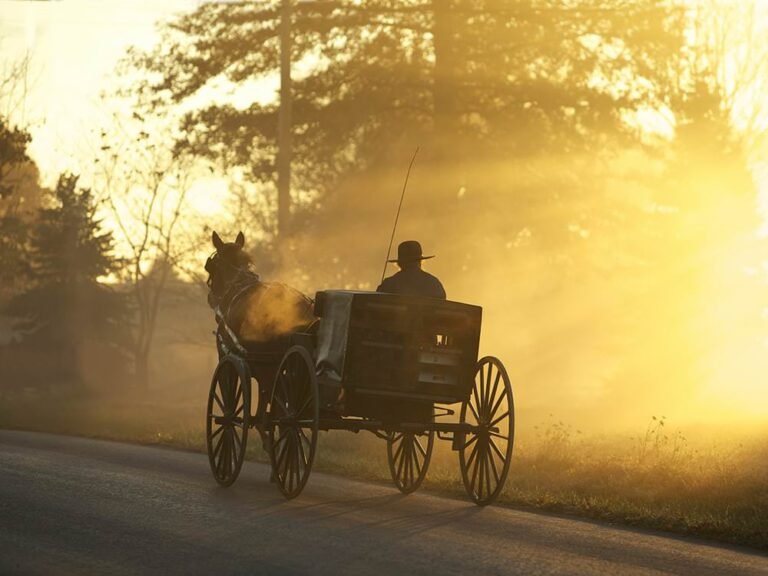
{"x": 270, "y": 314}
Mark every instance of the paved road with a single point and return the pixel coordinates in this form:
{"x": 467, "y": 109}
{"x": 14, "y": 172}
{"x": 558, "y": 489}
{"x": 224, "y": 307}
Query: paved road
{"x": 76, "y": 506}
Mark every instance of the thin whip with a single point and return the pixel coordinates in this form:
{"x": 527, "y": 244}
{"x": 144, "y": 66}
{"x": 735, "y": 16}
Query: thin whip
{"x": 394, "y": 228}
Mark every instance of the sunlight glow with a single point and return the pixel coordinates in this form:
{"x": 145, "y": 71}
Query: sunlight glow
{"x": 724, "y": 330}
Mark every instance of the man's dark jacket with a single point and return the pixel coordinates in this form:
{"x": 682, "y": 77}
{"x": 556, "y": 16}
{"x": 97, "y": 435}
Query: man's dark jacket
{"x": 413, "y": 281}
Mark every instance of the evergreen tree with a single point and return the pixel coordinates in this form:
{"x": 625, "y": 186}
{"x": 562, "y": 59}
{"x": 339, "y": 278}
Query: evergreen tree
{"x": 13, "y": 153}
{"x": 20, "y": 197}
{"x": 66, "y": 304}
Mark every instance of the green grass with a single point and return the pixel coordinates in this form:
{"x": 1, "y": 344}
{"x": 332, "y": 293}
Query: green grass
{"x": 655, "y": 479}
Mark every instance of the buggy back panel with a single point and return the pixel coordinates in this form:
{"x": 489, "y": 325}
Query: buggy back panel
{"x": 389, "y": 345}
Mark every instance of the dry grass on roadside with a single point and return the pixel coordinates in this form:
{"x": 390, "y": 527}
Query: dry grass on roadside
{"x": 656, "y": 479}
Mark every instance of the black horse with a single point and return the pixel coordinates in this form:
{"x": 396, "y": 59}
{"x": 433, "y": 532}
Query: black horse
{"x": 250, "y": 313}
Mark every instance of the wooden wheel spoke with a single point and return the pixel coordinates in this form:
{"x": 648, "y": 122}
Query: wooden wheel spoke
{"x": 303, "y": 455}
{"x": 301, "y": 463}
{"x": 305, "y": 438}
{"x": 492, "y": 396}
{"x": 470, "y": 442}
{"x": 306, "y": 450}
{"x": 281, "y": 464}
{"x": 497, "y": 405}
{"x": 219, "y": 401}
{"x": 481, "y": 465}
{"x": 283, "y": 396}
{"x": 285, "y": 479}
{"x": 475, "y": 467}
{"x": 238, "y": 443}
{"x": 238, "y": 397}
{"x": 294, "y": 464}
{"x": 290, "y": 465}
{"x": 280, "y": 403}
{"x": 282, "y": 438}
{"x": 480, "y": 477}
{"x": 218, "y": 431}
{"x": 399, "y": 449}
{"x": 416, "y": 462}
{"x": 224, "y": 454}
{"x": 496, "y": 450}
{"x": 304, "y": 406}
{"x": 486, "y": 389}
{"x": 281, "y": 454}
{"x": 409, "y": 463}
{"x": 488, "y": 461}
{"x": 288, "y": 458}
{"x": 400, "y": 462}
{"x": 499, "y": 419}
{"x": 420, "y": 447}
{"x": 473, "y": 454}
{"x": 218, "y": 457}
{"x": 493, "y": 462}
{"x": 297, "y": 468}
{"x": 228, "y": 460}
{"x": 219, "y": 443}
{"x": 234, "y": 457}
{"x": 230, "y": 446}
{"x": 474, "y": 412}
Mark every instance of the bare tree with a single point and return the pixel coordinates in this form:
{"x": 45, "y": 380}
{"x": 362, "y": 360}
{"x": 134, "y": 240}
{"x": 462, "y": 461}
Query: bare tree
{"x": 145, "y": 185}
{"x": 14, "y": 86}
{"x": 728, "y": 53}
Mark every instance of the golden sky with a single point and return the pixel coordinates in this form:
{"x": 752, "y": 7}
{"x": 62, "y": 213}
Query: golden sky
{"x": 74, "y": 44}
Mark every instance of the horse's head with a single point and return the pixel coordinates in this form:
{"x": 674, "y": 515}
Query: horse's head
{"x": 225, "y": 265}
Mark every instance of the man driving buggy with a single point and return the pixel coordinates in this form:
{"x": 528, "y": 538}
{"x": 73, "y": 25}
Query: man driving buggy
{"x": 412, "y": 279}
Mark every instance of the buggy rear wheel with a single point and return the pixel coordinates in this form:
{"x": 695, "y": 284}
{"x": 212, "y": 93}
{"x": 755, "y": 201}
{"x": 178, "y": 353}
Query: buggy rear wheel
{"x": 486, "y": 453}
{"x": 292, "y": 421}
{"x": 227, "y": 419}
{"x": 409, "y": 459}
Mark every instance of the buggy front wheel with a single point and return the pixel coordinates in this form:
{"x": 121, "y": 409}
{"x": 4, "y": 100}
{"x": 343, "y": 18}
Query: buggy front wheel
{"x": 292, "y": 421}
{"x": 227, "y": 419}
{"x": 486, "y": 452}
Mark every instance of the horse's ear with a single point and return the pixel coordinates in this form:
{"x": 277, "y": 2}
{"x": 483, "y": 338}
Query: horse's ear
{"x": 217, "y": 243}
{"x": 240, "y": 240}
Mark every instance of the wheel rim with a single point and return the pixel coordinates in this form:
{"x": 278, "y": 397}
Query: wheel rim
{"x": 227, "y": 421}
{"x": 293, "y": 422}
{"x": 409, "y": 458}
{"x": 486, "y": 454}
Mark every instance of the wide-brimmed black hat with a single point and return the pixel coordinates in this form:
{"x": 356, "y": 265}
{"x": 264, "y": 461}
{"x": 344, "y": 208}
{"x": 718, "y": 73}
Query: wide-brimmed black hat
{"x": 409, "y": 251}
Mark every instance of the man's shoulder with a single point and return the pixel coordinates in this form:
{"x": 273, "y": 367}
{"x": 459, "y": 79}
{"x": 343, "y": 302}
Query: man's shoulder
{"x": 431, "y": 277}
{"x": 436, "y": 287}
{"x": 388, "y": 282}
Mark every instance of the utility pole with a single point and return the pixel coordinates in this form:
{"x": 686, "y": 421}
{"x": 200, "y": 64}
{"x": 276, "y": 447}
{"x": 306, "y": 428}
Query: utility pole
{"x": 284, "y": 139}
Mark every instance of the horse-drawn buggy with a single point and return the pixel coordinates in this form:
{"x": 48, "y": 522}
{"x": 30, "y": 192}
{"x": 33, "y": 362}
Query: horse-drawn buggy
{"x": 388, "y": 364}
